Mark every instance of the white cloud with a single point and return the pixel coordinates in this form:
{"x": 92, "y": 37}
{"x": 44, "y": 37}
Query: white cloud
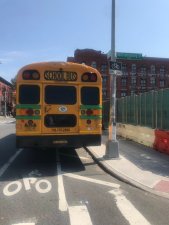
{"x": 15, "y": 54}
{"x": 9, "y": 56}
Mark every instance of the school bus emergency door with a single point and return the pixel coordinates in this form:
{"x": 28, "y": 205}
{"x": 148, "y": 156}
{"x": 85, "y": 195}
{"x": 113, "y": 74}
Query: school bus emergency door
{"x": 60, "y": 109}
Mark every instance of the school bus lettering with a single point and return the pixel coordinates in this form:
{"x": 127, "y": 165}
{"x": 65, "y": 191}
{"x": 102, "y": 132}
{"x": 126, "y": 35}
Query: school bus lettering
{"x": 60, "y": 75}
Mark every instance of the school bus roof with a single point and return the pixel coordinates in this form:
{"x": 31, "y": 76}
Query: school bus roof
{"x": 69, "y": 66}
{"x": 62, "y": 64}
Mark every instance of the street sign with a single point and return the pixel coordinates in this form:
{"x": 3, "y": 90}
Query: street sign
{"x": 115, "y": 72}
{"x": 129, "y": 56}
{"x": 115, "y": 65}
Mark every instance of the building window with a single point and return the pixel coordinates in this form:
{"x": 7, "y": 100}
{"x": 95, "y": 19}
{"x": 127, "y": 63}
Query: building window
{"x": 162, "y": 83}
{"x": 133, "y": 69}
{"x": 104, "y": 93}
{"x": 103, "y": 68}
{"x": 133, "y": 92}
{"x": 123, "y": 94}
{"x": 4, "y": 89}
{"x": 162, "y": 71}
{"x": 124, "y": 69}
{"x": 143, "y": 70}
{"x": 123, "y": 81}
{"x": 104, "y": 80}
{"x": 143, "y": 88}
{"x": 133, "y": 80}
{"x": 152, "y": 69}
{"x": 152, "y": 81}
{"x": 94, "y": 64}
{"x": 143, "y": 82}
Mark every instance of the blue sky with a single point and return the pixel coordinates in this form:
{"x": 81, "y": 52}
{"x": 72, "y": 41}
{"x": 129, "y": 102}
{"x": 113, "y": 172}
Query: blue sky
{"x": 51, "y": 30}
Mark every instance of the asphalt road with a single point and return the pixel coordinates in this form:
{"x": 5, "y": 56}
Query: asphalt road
{"x": 65, "y": 186}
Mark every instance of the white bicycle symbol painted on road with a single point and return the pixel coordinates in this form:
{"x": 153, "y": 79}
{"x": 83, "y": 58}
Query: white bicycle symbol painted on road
{"x": 41, "y": 186}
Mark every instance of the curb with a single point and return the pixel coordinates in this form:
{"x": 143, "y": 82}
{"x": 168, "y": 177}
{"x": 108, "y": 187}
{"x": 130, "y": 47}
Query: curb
{"x": 113, "y": 172}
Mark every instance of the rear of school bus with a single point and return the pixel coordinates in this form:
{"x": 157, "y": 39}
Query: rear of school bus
{"x": 58, "y": 104}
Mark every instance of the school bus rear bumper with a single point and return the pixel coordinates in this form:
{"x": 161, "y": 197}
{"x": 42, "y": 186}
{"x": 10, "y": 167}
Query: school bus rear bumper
{"x": 58, "y": 141}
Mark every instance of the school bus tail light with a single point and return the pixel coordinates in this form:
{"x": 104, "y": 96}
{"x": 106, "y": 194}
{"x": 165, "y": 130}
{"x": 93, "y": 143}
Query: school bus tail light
{"x": 35, "y": 75}
{"x": 89, "y": 112}
{"x": 26, "y": 75}
{"x": 31, "y": 75}
{"x": 88, "y": 122}
{"x": 29, "y": 112}
{"x": 89, "y": 77}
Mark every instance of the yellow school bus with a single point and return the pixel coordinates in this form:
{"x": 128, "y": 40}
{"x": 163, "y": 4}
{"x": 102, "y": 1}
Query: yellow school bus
{"x": 58, "y": 104}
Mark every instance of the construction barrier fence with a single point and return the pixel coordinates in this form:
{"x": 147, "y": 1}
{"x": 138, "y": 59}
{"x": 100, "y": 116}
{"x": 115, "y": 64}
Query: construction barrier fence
{"x": 149, "y": 109}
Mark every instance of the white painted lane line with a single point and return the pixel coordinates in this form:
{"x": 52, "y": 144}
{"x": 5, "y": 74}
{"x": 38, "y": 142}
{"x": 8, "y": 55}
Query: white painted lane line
{"x": 132, "y": 215}
{"x": 29, "y": 221}
{"x": 5, "y": 167}
{"x": 23, "y": 224}
{"x": 79, "y": 215}
{"x": 61, "y": 191}
{"x": 92, "y": 180}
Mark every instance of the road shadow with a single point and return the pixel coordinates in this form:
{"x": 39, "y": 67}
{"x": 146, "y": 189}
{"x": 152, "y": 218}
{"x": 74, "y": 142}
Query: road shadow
{"x": 35, "y": 162}
{"x": 70, "y": 160}
{"x": 7, "y": 148}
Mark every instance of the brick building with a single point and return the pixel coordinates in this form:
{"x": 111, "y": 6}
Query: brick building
{"x": 139, "y": 73}
{"x": 96, "y": 59}
{"x": 5, "y": 94}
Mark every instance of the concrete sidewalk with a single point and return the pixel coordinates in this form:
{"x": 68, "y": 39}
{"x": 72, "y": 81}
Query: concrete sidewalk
{"x": 138, "y": 165}
{"x": 8, "y": 119}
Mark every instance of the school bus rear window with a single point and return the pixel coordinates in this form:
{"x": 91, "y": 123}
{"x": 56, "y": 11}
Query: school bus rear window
{"x": 60, "y": 95}
{"x": 90, "y": 96}
{"x": 29, "y": 94}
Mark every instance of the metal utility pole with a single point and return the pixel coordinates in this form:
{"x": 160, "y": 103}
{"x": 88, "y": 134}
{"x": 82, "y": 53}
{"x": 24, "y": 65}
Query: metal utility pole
{"x": 0, "y": 99}
{"x": 112, "y": 146}
{"x": 5, "y": 98}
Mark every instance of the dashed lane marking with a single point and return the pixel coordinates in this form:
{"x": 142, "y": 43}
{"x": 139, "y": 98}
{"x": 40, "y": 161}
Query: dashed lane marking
{"x": 63, "y": 205}
{"x": 23, "y": 224}
{"x": 5, "y": 167}
{"x": 79, "y": 215}
{"x": 28, "y": 221}
{"x": 131, "y": 214}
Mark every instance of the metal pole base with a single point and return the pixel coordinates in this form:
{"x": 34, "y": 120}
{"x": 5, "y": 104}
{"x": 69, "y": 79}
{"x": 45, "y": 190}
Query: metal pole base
{"x": 112, "y": 149}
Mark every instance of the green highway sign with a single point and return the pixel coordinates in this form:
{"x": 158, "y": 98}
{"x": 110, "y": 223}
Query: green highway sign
{"x": 129, "y": 56}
